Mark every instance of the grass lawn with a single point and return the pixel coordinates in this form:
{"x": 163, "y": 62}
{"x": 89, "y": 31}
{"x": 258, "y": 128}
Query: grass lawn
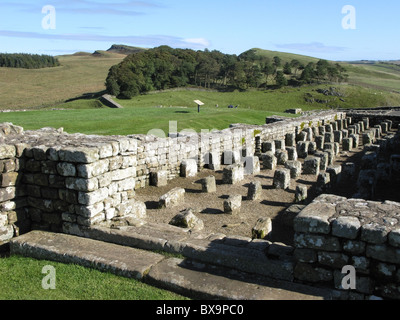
{"x": 144, "y": 113}
{"x": 21, "y": 279}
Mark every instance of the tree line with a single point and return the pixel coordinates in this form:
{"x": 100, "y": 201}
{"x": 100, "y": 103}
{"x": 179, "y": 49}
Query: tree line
{"x": 164, "y": 68}
{"x": 27, "y": 61}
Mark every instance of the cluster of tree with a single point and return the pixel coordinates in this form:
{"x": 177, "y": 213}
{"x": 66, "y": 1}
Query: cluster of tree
{"x": 27, "y": 61}
{"x": 163, "y": 68}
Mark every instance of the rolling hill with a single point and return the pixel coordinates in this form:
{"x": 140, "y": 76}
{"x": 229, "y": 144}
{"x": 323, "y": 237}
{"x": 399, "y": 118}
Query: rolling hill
{"x": 83, "y": 75}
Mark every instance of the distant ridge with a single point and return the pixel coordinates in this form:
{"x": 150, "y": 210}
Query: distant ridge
{"x": 124, "y": 49}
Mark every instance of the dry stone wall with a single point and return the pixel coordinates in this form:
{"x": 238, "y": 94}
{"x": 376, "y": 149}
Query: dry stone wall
{"x": 54, "y": 180}
{"x": 334, "y": 232}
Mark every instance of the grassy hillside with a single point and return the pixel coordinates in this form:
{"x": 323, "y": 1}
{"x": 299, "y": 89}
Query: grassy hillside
{"x": 78, "y": 74}
{"x": 370, "y": 85}
{"x": 286, "y": 57}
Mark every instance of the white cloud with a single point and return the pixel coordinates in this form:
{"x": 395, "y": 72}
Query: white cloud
{"x": 198, "y": 41}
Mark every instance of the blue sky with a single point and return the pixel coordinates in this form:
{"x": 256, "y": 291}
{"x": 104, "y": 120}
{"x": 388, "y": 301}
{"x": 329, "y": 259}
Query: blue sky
{"x": 307, "y": 27}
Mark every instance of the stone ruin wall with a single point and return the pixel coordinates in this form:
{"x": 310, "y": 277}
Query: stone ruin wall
{"x": 55, "y": 181}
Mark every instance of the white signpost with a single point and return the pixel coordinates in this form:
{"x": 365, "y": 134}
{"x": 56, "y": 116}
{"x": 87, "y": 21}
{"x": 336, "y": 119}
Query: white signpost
{"x": 199, "y": 103}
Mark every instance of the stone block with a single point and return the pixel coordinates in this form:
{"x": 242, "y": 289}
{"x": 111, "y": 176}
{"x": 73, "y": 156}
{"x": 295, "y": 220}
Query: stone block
{"x": 188, "y": 168}
{"x": 315, "y": 218}
{"x": 254, "y": 191}
{"x": 292, "y": 153}
{"x": 270, "y": 161}
{"x": 212, "y": 161}
{"x": 329, "y": 137}
{"x": 93, "y": 169}
{"x": 268, "y": 146}
{"x": 173, "y": 198}
{"x": 320, "y": 141}
{"x": 281, "y": 179}
{"x": 233, "y": 205}
{"x": 312, "y": 147}
{"x": 7, "y": 151}
{"x": 317, "y": 242}
{"x": 159, "y": 178}
{"x": 209, "y": 184}
{"x": 333, "y": 259}
{"x": 233, "y": 174}
{"x": 79, "y": 184}
{"x": 302, "y": 149}
{"x": 374, "y": 233}
{"x": 280, "y": 144}
{"x": 66, "y": 169}
{"x": 281, "y": 156}
{"x": 346, "y": 227}
{"x": 91, "y": 198}
{"x": 8, "y": 179}
{"x": 231, "y": 157}
{"x": 312, "y": 166}
{"x": 79, "y": 155}
{"x": 301, "y": 193}
{"x": 295, "y": 168}
{"x": 347, "y": 144}
{"x": 324, "y": 160}
{"x": 348, "y": 171}
{"x": 290, "y": 139}
{"x": 335, "y": 172}
{"x": 262, "y": 228}
{"x": 356, "y": 140}
{"x": 187, "y": 219}
{"x": 7, "y": 193}
{"x": 323, "y": 182}
{"x": 251, "y": 165}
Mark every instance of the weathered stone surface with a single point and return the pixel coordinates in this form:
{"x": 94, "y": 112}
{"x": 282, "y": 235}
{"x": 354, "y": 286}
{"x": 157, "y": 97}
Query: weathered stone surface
{"x": 374, "y": 233}
{"x": 233, "y": 174}
{"x": 7, "y": 151}
{"x": 315, "y": 218}
{"x": 292, "y": 153}
{"x": 93, "y": 197}
{"x": 8, "y": 179}
{"x": 346, "y": 227}
{"x": 312, "y": 166}
{"x": 295, "y": 168}
{"x": 317, "y": 242}
{"x": 209, "y": 184}
{"x": 301, "y": 193}
{"x": 7, "y": 193}
{"x": 269, "y": 160}
{"x": 85, "y": 185}
{"x": 231, "y": 157}
{"x": 66, "y": 169}
{"x": 254, "y": 191}
{"x": 189, "y": 168}
{"x": 159, "y": 178}
{"x": 187, "y": 219}
{"x": 333, "y": 259}
{"x": 302, "y": 149}
{"x": 251, "y": 165}
{"x": 173, "y": 198}
{"x": 383, "y": 253}
{"x": 281, "y": 156}
{"x": 233, "y": 205}
{"x": 79, "y": 155}
{"x": 94, "y": 169}
{"x": 281, "y": 179}
{"x": 121, "y": 260}
{"x": 262, "y": 228}
{"x": 305, "y": 272}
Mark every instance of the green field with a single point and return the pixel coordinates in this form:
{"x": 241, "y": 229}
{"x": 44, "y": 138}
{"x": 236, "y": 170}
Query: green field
{"x": 34, "y": 88}
{"x": 144, "y": 113}
{"x": 21, "y": 279}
